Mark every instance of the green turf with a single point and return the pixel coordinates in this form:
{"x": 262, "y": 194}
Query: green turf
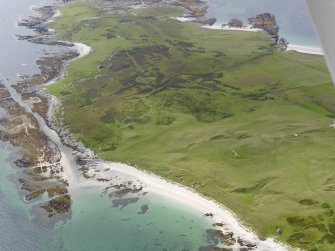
{"x": 219, "y": 111}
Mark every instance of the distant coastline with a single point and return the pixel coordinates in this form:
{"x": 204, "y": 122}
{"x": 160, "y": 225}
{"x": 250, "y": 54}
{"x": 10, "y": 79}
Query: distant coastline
{"x": 292, "y": 18}
{"x": 247, "y": 28}
{"x": 290, "y": 47}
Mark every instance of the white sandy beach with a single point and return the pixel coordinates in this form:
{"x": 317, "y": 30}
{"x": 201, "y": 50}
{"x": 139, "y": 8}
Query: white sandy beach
{"x": 291, "y": 47}
{"x": 305, "y": 49}
{"x": 184, "y": 19}
{"x": 82, "y": 49}
{"x": 218, "y": 26}
{"x": 184, "y": 196}
{"x": 228, "y": 28}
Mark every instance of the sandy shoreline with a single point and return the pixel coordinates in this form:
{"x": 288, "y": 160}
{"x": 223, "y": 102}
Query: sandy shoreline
{"x": 229, "y": 28}
{"x": 305, "y": 49}
{"x": 190, "y": 199}
{"x": 291, "y": 47}
{"x": 82, "y": 49}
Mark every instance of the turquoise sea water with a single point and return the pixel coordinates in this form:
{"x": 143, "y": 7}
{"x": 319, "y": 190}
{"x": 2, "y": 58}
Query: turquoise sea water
{"x": 17, "y": 231}
{"x": 96, "y": 225}
{"x": 292, "y": 16}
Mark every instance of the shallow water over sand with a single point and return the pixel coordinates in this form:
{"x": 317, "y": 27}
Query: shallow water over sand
{"x": 96, "y": 224}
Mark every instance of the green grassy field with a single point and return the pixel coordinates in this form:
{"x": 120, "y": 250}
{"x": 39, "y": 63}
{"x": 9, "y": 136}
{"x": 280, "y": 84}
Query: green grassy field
{"x": 219, "y": 111}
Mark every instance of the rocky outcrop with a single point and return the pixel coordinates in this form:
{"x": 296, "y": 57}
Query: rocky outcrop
{"x": 209, "y": 22}
{"x": 196, "y": 8}
{"x": 39, "y": 161}
{"x": 282, "y": 44}
{"x": 236, "y": 23}
{"x": 266, "y": 22}
{"x": 50, "y": 68}
{"x": 37, "y": 24}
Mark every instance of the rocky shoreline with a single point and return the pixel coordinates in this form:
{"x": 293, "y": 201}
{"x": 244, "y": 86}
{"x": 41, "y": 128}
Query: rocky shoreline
{"x": 40, "y": 170}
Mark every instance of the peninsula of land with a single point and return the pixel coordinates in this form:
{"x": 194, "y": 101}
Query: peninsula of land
{"x": 221, "y": 112}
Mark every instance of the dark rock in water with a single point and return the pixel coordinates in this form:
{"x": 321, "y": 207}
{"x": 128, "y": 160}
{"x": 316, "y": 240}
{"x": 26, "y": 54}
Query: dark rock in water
{"x": 237, "y": 23}
{"x": 22, "y": 163}
{"x": 218, "y": 237}
{"x": 24, "y": 37}
{"x": 266, "y": 22}
{"x": 124, "y": 202}
{"x": 58, "y": 205}
{"x": 144, "y": 209}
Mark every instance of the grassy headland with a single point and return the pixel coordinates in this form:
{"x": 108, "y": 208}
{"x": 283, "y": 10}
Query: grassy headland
{"x": 219, "y": 111}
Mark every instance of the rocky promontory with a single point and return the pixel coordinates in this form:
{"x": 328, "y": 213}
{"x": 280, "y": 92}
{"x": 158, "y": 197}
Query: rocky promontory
{"x": 266, "y": 22}
{"x": 196, "y": 8}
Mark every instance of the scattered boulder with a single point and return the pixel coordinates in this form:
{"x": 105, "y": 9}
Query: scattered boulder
{"x": 209, "y": 22}
{"x": 236, "y": 23}
{"x": 144, "y": 209}
{"x": 245, "y": 243}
